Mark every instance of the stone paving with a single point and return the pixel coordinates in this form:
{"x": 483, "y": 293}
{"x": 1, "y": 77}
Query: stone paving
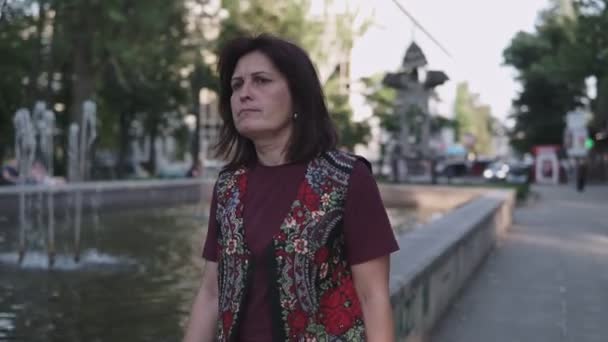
{"x": 547, "y": 281}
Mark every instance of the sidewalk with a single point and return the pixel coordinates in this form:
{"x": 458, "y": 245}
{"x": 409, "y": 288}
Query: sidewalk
{"x": 548, "y": 281}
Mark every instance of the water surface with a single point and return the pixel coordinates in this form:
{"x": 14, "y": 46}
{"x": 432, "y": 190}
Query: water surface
{"x": 135, "y": 281}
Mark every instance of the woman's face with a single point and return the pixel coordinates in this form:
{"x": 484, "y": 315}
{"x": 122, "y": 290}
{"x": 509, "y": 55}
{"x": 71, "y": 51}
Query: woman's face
{"x": 261, "y": 101}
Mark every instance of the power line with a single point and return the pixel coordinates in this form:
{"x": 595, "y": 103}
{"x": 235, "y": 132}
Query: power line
{"x": 419, "y": 25}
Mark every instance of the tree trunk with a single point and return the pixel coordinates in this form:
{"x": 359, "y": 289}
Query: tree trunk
{"x": 82, "y": 86}
{"x": 196, "y": 141}
{"x": 602, "y": 102}
{"x": 125, "y": 124}
{"x": 153, "y": 127}
{"x": 33, "y": 92}
{"x": 82, "y": 73}
{"x": 50, "y": 60}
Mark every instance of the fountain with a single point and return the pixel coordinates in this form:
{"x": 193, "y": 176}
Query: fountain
{"x": 81, "y": 139}
{"x": 25, "y": 149}
{"x": 141, "y": 257}
{"x": 34, "y": 144}
{"x": 34, "y": 150}
{"x": 45, "y": 128}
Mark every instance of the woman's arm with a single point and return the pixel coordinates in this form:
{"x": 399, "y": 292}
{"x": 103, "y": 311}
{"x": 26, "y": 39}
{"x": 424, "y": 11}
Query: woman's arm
{"x": 371, "y": 282}
{"x": 203, "y": 317}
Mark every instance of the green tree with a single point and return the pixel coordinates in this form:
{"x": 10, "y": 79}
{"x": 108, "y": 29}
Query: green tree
{"x": 128, "y": 56}
{"x": 473, "y": 118}
{"x": 291, "y": 20}
{"x": 143, "y": 77}
{"x": 350, "y": 132}
{"x": 16, "y": 50}
{"x": 382, "y": 101}
{"x": 482, "y": 130}
{"x": 337, "y": 85}
{"x": 140, "y": 61}
{"x": 463, "y": 110}
{"x": 591, "y": 56}
{"x": 551, "y": 78}
{"x": 287, "y": 19}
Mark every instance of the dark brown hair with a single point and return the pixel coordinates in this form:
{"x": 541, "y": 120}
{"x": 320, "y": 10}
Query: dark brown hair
{"x": 313, "y": 131}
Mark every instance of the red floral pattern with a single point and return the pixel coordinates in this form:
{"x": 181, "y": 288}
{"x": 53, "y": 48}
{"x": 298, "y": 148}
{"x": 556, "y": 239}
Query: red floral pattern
{"x": 304, "y": 257}
{"x": 338, "y": 313}
{"x": 337, "y": 321}
{"x": 299, "y": 215}
{"x": 297, "y": 320}
{"x": 321, "y": 255}
{"x": 227, "y": 319}
{"x": 340, "y": 308}
{"x": 233, "y": 267}
{"x": 281, "y": 236}
{"x": 301, "y": 246}
{"x": 242, "y": 182}
{"x": 309, "y": 197}
{"x": 333, "y": 299}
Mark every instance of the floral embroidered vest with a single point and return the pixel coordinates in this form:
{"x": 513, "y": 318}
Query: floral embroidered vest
{"x": 312, "y": 292}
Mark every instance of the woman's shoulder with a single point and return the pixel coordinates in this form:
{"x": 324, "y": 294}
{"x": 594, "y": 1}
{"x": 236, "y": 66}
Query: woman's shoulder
{"x": 355, "y": 161}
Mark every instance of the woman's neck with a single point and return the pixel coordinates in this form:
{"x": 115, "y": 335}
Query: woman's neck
{"x": 270, "y": 154}
{"x": 273, "y": 151}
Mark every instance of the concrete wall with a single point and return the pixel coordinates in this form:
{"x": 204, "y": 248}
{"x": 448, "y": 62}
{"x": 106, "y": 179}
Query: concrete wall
{"x": 429, "y": 197}
{"x": 124, "y": 195}
{"x": 121, "y": 195}
{"x": 435, "y": 261}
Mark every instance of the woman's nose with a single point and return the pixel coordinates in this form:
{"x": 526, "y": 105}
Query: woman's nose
{"x": 245, "y": 92}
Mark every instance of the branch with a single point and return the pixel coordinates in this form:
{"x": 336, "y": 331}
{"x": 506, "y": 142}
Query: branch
{"x": 120, "y": 75}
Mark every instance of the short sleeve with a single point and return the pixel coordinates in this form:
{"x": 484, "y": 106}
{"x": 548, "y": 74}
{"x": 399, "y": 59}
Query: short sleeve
{"x": 210, "y": 249}
{"x": 367, "y": 228}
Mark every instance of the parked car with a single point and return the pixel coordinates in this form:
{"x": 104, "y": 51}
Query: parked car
{"x": 519, "y": 173}
{"x": 507, "y": 172}
{"x": 452, "y": 168}
{"x": 496, "y": 171}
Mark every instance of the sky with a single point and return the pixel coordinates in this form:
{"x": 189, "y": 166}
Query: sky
{"x": 474, "y": 32}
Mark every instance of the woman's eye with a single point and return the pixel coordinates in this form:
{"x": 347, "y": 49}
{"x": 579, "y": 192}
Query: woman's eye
{"x": 261, "y": 80}
{"x": 236, "y": 85}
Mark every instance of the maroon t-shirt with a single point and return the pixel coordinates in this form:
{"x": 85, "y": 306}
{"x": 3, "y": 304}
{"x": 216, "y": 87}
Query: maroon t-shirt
{"x": 271, "y": 191}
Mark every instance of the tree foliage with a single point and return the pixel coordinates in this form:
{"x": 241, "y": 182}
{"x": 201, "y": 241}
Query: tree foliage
{"x": 143, "y": 61}
{"x": 320, "y": 37}
{"x": 473, "y": 118}
{"x": 552, "y": 64}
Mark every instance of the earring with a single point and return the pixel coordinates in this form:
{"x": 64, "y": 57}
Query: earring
{"x": 295, "y": 116}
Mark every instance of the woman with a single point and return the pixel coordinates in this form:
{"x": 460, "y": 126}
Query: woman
{"x": 298, "y": 241}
